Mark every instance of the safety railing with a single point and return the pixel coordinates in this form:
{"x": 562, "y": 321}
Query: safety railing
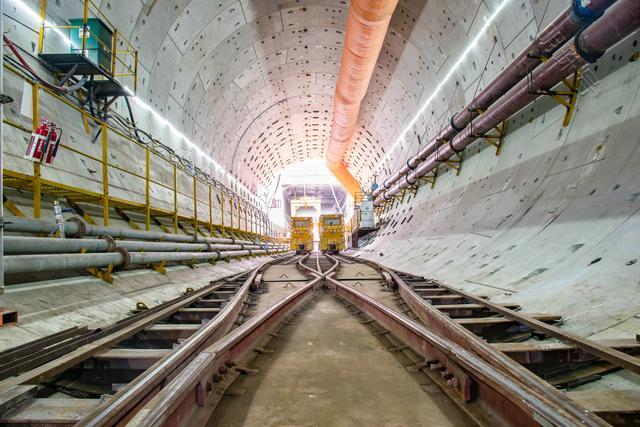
{"x": 157, "y": 187}
{"x": 120, "y": 56}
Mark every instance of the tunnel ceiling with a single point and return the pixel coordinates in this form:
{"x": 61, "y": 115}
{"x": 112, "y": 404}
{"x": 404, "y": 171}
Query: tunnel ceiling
{"x": 252, "y": 81}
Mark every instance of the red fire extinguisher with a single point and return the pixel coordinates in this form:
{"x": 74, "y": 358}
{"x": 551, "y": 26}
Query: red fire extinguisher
{"x": 44, "y": 143}
{"x": 54, "y": 143}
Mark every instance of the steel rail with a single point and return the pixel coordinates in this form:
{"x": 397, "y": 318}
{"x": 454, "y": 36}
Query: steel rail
{"x": 319, "y": 271}
{"x": 591, "y": 347}
{"x": 609, "y": 354}
{"x": 189, "y": 391}
{"x": 305, "y": 268}
{"x": 475, "y": 379}
{"x": 59, "y": 365}
{"x": 121, "y": 405}
{"x": 442, "y": 324}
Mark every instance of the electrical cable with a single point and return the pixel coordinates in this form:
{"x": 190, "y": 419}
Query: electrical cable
{"x": 130, "y": 128}
{"x": 25, "y": 64}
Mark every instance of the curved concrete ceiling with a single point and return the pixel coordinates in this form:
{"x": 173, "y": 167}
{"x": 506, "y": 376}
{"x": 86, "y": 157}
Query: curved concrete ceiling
{"x": 252, "y": 81}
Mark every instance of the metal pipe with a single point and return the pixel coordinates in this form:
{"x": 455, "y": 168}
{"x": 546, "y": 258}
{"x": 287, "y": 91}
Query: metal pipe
{"x": 155, "y": 257}
{"x": 367, "y": 26}
{"x": 76, "y": 227}
{"x": 620, "y": 20}
{"x": 32, "y": 245}
{"x": 15, "y": 245}
{"x": 61, "y": 262}
{"x": 565, "y": 26}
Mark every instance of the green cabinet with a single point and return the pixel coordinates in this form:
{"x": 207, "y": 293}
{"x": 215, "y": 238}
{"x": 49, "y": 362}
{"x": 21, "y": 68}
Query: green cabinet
{"x": 99, "y": 40}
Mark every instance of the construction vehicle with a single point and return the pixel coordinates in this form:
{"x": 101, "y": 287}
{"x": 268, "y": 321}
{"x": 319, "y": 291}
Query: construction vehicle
{"x": 331, "y": 229}
{"x": 301, "y": 234}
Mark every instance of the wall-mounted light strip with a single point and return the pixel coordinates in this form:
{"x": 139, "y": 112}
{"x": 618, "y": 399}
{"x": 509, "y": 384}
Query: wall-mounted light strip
{"x": 487, "y": 23}
{"x": 36, "y": 16}
{"x": 139, "y": 102}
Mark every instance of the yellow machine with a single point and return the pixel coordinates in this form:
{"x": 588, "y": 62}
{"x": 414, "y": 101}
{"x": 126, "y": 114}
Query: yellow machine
{"x": 301, "y": 234}
{"x": 331, "y": 233}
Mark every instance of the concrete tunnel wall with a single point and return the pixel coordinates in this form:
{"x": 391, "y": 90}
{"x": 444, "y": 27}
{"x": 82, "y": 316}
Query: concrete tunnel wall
{"x": 552, "y": 222}
{"x": 251, "y": 82}
{"x": 522, "y": 226}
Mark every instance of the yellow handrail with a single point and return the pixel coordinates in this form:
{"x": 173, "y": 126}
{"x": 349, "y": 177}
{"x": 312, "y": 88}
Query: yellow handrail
{"x": 118, "y": 57}
{"x": 41, "y": 186}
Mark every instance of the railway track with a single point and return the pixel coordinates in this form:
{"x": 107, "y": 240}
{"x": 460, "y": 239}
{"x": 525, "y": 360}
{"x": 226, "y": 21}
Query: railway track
{"x": 67, "y": 376}
{"x": 482, "y": 355}
{"x": 490, "y": 393}
{"x": 519, "y": 344}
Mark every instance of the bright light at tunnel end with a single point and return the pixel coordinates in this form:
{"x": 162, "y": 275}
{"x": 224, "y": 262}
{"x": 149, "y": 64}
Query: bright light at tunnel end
{"x": 470, "y": 47}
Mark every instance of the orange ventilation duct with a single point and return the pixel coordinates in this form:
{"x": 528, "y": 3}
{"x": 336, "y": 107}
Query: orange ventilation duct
{"x": 366, "y": 29}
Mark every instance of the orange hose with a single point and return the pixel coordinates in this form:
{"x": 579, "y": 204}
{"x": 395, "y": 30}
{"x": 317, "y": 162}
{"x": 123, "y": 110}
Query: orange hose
{"x": 367, "y": 26}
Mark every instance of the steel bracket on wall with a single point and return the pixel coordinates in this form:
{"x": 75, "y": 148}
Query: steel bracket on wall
{"x": 11, "y": 207}
{"x": 102, "y": 273}
{"x": 496, "y": 139}
{"x": 78, "y": 210}
{"x": 127, "y": 218}
{"x": 429, "y": 179}
{"x": 455, "y": 162}
{"x": 567, "y": 98}
{"x": 159, "y": 223}
{"x": 388, "y": 204}
{"x": 401, "y": 195}
{"x": 160, "y": 267}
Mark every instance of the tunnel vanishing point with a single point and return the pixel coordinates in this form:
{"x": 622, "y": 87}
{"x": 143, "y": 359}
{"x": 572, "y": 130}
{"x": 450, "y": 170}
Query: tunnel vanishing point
{"x": 327, "y": 213}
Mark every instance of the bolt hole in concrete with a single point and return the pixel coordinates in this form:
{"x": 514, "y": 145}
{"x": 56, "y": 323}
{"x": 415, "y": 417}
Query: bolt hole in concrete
{"x": 329, "y": 370}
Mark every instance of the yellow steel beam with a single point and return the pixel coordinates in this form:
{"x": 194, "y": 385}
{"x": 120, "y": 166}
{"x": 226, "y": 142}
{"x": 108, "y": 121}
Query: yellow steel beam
{"x": 127, "y": 218}
{"x": 175, "y": 198}
{"x": 231, "y": 216}
{"x": 43, "y": 13}
{"x": 85, "y": 17}
{"x": 147, "y": 191}
{"x": 210, "y": 214}
{"x": 11, "y": 207}
{"x": 80, "y": 211}
{"x": 114, "y": 50}
{"x": 222, "y": 212}
{"x": 105, "y": 175}
{"x": 37, "y": 182}
{"x": 239, "y": 216}
{"x": 195, "y": 205}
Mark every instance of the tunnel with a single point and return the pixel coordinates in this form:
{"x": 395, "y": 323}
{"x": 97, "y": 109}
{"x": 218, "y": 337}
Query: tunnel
{"x": 210, "y": 208}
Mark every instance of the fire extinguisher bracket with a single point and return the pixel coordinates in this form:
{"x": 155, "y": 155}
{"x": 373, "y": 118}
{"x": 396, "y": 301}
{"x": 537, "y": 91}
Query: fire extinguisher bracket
{"x": 44, "y": 142}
